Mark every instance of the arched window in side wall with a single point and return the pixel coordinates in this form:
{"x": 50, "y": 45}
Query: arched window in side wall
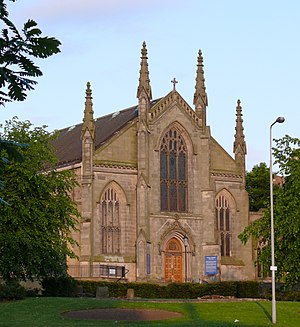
{"x": 173, "y": 172}
{"x": 223, "y": 224}
{"x": 262, "y": 272}
{"x": 110, "y": 222}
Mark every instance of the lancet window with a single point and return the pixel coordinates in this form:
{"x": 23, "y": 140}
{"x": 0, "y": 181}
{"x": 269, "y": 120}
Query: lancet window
{"x": 173, "y": 172}
{"x": 223, "y": 224}
{"x": 110, "y": 222}
{"x": 262, "y": 272}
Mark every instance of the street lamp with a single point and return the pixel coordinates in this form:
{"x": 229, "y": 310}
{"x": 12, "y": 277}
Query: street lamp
{"x": 273, "y": 268}
{"x": 185, "y": 242}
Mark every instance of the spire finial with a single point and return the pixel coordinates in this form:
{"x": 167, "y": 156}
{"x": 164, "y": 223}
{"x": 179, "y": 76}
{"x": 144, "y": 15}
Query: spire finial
{"x": 88, "y": 118}
{"x": 144, "y": 50}
{"x": 239, "y": 145}
{"x": 144, "y": 81}
{"x": 200, "y": 96}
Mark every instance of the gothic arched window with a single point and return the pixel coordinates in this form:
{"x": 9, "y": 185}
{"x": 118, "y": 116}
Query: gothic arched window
{"x": 262, "y": 271}
{"x": 110, "y": 222}
{"x": 223, "y": 224}
{"x": 173, "y": 172}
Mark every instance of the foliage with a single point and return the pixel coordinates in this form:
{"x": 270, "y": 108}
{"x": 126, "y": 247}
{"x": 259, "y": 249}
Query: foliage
{"x": 245, "y": 289}
{"x": 258, "y": 187}
{"x": 59, "y": 286}
{"x": 286, "y": 216}
{"x": 248, "y": 289}
{"x": 35, "y": 227}
{"x": 32, "y": 292}
{"x": 9, "y": 151}
{"x": 289, "y": 296}
{"x": 17, "y": 70}
{"x": 12, "y": 290}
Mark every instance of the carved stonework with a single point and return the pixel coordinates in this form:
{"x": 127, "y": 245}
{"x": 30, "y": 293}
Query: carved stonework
{"x": 176, "y": 216}
{"x": 150, "y": 178}
{"x": 167, "y": 102}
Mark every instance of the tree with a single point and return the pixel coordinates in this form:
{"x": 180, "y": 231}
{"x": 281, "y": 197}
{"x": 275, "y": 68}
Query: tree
{"x": 258, "y": 186}
{"x": 286, "y": 216}
{"x": 35, "y": 227}
{"x": 17, "y": 70}
{"x": 9, "y": 151}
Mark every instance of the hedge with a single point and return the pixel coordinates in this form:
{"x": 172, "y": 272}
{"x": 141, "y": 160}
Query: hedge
{"x": 175, "y": 290}
{"x": 12, "y": 290}
{"x": 69, "y": 287}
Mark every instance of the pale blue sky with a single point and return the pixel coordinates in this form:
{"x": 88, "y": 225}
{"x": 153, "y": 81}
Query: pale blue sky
{"x": 250, "y": 47}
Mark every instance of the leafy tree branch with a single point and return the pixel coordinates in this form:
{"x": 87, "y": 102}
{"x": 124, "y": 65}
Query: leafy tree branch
{"x": 286, "y": 216}
{"x": 36, "y": 226}
{"x": 17, "y": 69}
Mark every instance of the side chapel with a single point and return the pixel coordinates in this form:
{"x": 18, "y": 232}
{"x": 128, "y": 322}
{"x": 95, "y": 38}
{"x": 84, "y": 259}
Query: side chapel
{"x": 160, "y": 199}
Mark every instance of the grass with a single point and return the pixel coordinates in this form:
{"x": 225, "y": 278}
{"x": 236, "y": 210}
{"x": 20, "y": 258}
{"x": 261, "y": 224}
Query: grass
{"x": 46, "y": 312}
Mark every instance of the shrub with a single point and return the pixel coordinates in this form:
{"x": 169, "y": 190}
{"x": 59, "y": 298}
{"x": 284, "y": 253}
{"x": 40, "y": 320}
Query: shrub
{"x": 238, "y": 289}
{"x": 32, "y": 292}
{"x": 59, "y": 286}
{"x": 179, "y": 291}
{"x": 12, "y": 290}
{"x": 147, "y": 290}
{"x": 289, "y": 296}
{"x": 248, "y": 289}
{"x": 172, "y": 290}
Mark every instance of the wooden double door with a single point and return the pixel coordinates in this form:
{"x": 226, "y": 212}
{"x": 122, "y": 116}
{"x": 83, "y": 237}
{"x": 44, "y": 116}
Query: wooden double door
{"x": 173, "y": 261}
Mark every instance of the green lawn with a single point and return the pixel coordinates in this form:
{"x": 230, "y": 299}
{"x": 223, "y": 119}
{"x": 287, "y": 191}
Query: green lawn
{"x": 46, "y": 312}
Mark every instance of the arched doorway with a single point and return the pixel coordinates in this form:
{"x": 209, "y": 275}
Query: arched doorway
{"x": 173, "y": 261}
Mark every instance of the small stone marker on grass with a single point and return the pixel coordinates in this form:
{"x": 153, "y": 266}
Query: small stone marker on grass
{"x": 102, "y": 292}
{"x": 130, "y": 293}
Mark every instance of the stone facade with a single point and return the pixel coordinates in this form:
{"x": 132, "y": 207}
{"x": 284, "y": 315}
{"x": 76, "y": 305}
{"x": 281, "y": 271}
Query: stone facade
{"x": 158, "y": 194}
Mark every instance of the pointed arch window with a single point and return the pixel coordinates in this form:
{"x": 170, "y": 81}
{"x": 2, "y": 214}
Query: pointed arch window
{"x": 223, "y": 224}
{"x": 262, "y": 271}
{"x": 173, "y": 172}
{"x": 110, "y": 222}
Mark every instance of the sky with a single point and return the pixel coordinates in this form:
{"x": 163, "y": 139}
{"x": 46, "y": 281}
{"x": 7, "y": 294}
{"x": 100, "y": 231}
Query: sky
{"x": 251, "y": 51}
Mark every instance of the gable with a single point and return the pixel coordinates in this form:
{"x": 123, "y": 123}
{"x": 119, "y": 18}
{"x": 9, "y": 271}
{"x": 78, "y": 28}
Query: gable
{"x": 220, "y": 159}
{"x": 170, "y": 100}
{"x": 119, "y": 149}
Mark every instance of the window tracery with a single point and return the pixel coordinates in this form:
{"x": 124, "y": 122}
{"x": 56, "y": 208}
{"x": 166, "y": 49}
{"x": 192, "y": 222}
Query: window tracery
{"x": 173, "y": 172}
{"x": 223, "y": 224}
{"x": 110, "y": 222}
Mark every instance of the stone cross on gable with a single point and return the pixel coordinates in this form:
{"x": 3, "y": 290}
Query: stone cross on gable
{"x": 174, "y": 82}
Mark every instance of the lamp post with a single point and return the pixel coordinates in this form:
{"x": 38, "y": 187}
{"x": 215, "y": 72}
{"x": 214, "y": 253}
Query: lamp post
{"x": 273, "y": 268}
{"x": 185, "y": 242}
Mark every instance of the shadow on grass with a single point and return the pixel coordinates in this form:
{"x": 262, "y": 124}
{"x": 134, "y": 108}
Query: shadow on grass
{"x": 192, "y": 312}
{"x": 264, "y": 311}
{"x": 194, "y": 318}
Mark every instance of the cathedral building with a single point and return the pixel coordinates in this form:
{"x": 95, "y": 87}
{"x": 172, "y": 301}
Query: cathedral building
{"x": 160, "y": 199}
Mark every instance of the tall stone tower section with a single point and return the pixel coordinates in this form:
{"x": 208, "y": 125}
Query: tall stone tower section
{"x": 239, "y": 145}
{"x": 87, "y": 140}
{"x": 144, "y": 95}
{"x": 200, "y": 96}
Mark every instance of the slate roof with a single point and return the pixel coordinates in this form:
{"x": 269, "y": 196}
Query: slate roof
{"x": 68, "y": 145}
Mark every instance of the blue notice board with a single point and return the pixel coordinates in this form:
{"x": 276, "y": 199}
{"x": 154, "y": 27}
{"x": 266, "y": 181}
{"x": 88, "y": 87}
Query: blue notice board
{"x": 211, "y": 265}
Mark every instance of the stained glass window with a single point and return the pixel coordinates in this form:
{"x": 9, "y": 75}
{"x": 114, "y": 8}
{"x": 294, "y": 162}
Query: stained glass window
{"x": 221, "y": 219}
{"x": 181, "y": 167}
{"x": 110, "y": 222}
{"x": 223, "y": 225}
{"x": 227, "y": 220}
{"x": 173, "y": 172}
